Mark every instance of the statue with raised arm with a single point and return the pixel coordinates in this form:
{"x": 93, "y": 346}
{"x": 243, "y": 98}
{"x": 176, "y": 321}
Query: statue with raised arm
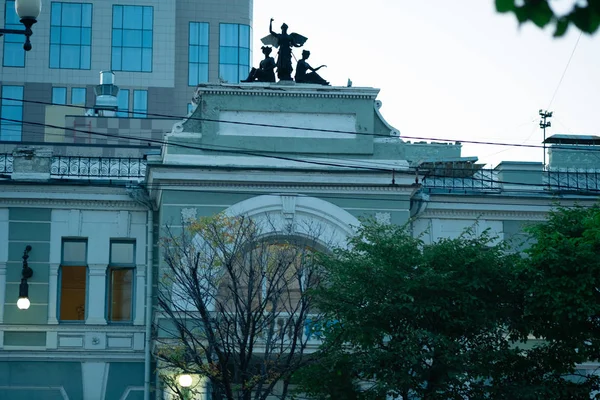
{"x": 266, "y": 69}
{"x": 284, "y": 41}
{"x": 302, "y": 71}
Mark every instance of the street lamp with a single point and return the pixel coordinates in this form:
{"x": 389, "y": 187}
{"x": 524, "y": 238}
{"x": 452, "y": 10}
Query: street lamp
{"x": 185, "y": 380}
{"x": 23, "y": 303}
{"x": 28, "y": 11}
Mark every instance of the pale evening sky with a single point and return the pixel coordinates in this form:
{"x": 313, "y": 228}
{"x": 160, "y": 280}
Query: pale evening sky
{"x": 450, "y": 69}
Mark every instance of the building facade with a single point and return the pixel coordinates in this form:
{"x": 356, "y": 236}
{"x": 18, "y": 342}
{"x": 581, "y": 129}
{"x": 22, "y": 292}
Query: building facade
{"x": 159, "y": 50}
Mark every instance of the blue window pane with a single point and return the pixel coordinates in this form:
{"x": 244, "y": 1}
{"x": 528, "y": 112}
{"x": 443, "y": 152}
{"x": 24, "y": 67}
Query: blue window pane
{"x": 202, "y": 73}
{"x": 118, "y": 17}
{"x": 132, "y": 38}
{"x": 194, "y": 54}
{"x": 228, "y": 72}
{"x": 229, "y": 35}
{"x": 194, "y": 33}
{"x": 147, "y": 60}
{"x": 86, "y": 55}
{"x": 78, "y": 96}
{"x": 132, "y": 17}
{"x": 140, "y": 103}
{"x": 148, "y": 20}
{"x": 192, "y": 74}
{"x": 203, "y": 32}
{"x": 86, "y": 15}
{"x": 147, "y": 39}
{"x": 116, "y": 58}
{"x": 244, "y": 56}
{"x": 71, "y": 14}
{"x": 54, "y": 56}
{"x": 14, "y": 55}
{"x": 244, "y": 36}
{"x": 55, "y": 35}
{"x": 123, "y": 103}
{"x": 86, "y": 36}
{"x": 11, "y": 110}
{"x": 69, "y": 56}
{"x": 55, "y": 14}
{"x": 132, "y": 59}
{"x": 117, "y": 38}
{"x": 70, "y": 36}
{"x": 59, "y": 95}
{"x": 228, "y": 55}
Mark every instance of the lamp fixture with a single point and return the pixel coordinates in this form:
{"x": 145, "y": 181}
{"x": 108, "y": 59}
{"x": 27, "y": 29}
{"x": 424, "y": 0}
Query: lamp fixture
{"x": 23, "y": 303}
{"x": 185, "y": 380}
{"x": 28, "y": 11}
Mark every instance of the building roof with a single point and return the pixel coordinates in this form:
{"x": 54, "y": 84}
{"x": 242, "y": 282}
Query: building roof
{"x": 590, "y": 140}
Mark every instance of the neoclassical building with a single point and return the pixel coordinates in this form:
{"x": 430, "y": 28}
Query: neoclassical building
{"x": 296, "y": 155}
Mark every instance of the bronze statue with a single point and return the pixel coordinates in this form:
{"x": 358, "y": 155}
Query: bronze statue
{"x": 266, "y": 68}
{"x": 302, "y": 74}
{"x": 284, "y": 41}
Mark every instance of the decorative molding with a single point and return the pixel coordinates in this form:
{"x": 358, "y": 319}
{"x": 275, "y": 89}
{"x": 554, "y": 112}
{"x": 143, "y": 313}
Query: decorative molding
{"x": 188, "y": 215}
{"x": 279, "y": 90}
{"x": 384, "y": 218}
{"x": 70, "y": 204}
{"x": 484, "y": 214}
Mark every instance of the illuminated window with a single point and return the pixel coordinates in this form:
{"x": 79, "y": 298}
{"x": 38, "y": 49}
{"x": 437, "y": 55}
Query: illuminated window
{"x": 73, "y": 280}
{"x": 120, "y": 285}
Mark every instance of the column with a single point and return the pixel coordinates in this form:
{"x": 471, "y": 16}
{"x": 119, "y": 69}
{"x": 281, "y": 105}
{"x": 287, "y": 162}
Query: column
{"x": 2, "y": 290}
{"x": 140, "y": 293}
{"x": 96, "y": 296}
{"x": 53, "y": 294}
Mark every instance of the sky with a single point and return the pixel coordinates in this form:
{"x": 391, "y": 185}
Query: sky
{"x": 451, "y": 69}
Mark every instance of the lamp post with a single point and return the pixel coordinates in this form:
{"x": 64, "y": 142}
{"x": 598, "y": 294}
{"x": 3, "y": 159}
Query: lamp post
{"x": 28, "y": 11}
{"x": 23, "y": 303}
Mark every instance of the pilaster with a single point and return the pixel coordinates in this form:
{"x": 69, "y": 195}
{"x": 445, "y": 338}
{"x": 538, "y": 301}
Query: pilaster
{"x": 140, "y": 291}
{"x": 96, "y": 302}
{"x": 53, "y": 294}
{"x": 2, "y": 290}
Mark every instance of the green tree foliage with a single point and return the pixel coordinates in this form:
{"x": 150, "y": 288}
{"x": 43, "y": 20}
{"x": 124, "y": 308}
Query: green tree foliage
{"x": 584, "y": 15}
{"x": 448, "y": 320}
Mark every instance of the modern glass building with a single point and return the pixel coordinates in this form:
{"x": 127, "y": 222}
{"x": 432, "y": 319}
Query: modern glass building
{"x": 159, "y": 50}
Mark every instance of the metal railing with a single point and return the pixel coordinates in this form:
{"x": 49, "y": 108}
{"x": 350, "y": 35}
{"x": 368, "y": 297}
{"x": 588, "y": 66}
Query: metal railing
{"x": 572, "y": 179}
{"x": 68, "y": 167}
{"x": 6, "y": 164}
{"x": 480, "y": 180}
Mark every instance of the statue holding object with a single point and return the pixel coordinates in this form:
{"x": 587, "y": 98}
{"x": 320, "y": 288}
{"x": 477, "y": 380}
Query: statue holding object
{"x": 302, "y": 74}
{"x": 266, "y": 68}
{"x": 284, "y": 41}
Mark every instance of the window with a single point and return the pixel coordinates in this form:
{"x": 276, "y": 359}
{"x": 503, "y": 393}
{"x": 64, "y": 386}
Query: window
{"x": 123, "y": 103}
{"x": 140, "y": 103}
{"x": 132, "y": 38}
{"x": 120, "y": 281}
{"x": 11, "y": 125}
{"x": 78, "y": 96}
{"x": 234, "y": 52}
{"x": 14, "y": 55}
{"x": 198, "y": 53}
{"x": 70, "y": 35}
{"x": 73, "y": 280}
{"x": 59, "y": 95}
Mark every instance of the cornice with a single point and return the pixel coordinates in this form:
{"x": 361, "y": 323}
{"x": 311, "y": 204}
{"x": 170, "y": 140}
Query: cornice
{"x": 485, "y": 214}
{"x": 69, "y": 204}
{"x": 278, "y": 90}
{"x": 233, "y": 187}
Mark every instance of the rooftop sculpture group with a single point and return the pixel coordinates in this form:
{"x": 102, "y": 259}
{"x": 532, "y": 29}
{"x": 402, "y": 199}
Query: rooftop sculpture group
{"x": 284, "y": 41}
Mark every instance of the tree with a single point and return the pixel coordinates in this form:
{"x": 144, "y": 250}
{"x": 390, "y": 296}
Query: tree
{"x": 447, "y": 320}
{"x": 233, "y": 306}
{"x": 584, "y": 15}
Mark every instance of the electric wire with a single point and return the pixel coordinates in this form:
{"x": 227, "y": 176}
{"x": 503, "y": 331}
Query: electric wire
{"x": 264, "y": 125}
{"x": 564, "y": 71}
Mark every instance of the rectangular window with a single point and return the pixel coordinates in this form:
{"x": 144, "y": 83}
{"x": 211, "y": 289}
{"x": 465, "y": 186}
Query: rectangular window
{"x": 198, "y": 53}
{"x": 140, "y": 103}
{"x": 11, "y": 125}
{"x": 234, "y": 52}
{"x": 120, "y": 284}
{"x": 132, "y": 38}
{"x": 59, "y": 95}
{"x": 123, "y": 103}
{"x": 73, "y": 280}
{"x": 14, "y": 55}
{"x": 70, "y": 35}
{"x": 78, "y": 96}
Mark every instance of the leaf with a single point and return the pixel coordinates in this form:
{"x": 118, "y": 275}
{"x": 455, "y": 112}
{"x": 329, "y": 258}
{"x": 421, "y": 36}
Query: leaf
{"x": 540, "y": 13}
{"x": 503, "y": 6}
{"x": 585, "y": 19}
